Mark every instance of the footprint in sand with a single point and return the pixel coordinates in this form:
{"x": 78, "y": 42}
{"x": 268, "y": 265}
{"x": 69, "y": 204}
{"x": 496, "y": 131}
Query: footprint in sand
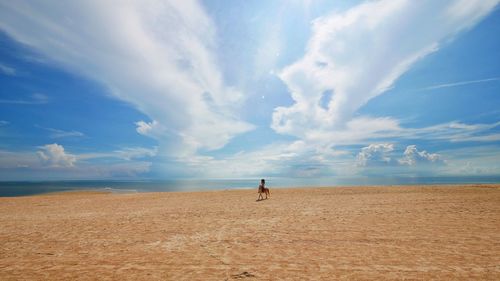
{"x": 242, "y": 275}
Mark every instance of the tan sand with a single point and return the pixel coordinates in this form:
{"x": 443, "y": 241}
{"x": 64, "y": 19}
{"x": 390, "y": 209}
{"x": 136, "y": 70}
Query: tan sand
{"x": 421, "y": 232}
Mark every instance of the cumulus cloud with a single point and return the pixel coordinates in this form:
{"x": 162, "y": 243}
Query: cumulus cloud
{"x": 53, "y": 155}
{"x": 357, "y": 55}
{"x": 156, "y": 55}
{"x": 145, "y": 128}
{"x": 382, "y": 154}
{"x": 375, "y": 154}
{"x": 412, "y": 157}
{"x": 126, "y": 162}
{"x": 318, "y": 156}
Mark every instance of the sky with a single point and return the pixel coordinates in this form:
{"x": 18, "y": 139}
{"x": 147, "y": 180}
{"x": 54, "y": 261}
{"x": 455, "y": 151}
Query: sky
{"x": 240, "y": 89}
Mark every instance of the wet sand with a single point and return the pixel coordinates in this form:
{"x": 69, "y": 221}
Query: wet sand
{"x": 409, "y": 232}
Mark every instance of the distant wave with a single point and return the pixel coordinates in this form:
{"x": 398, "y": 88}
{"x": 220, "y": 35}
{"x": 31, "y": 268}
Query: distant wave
{"x": 119, "y": 190}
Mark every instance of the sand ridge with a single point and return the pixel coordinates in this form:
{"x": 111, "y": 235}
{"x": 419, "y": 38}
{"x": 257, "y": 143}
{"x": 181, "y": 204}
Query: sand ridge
{"x": 408, "y": 232}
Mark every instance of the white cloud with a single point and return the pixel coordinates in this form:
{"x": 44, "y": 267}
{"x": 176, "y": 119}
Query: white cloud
{"x": 375, "y": 154}
{"x": 359, "y": 54}
{"x": 57, "y": 133}
{"x": 126, "y": 153}
{"x": 35, "y": 98}
{"x": 357, "y": 130}
{"x": 365, "y": 130}
{"x": 483, "y": 138}
{"x": 413, "y": 157}
{"x": 7, "y": 70}
{"x": 39, "y": 98}
{"x": 474, "y": 160}
{"x": 156, "y": 55}
{"x": 10, "y": 159}
{"x": 454, "y": 132}
{"x": 145, "y": 128}
{"x": 294, "y": 159}
{"x": 270, "y": 159}
{"x": 4, "y": 123}
{"x": 380, "y": 155}
{"x": 461, "y": 83}
{"x": 52, "y": 161}
{"x": 317, "y": 154}
{"x": 470, "y": 169}
{"x": 65, "y": 134}
{"x": 130, "y": 153}
{"x": 53, "y": 155}
{"x": 159, "y": 56}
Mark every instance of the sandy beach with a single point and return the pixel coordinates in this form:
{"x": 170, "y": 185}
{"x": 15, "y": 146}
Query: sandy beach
{"x": 407, "y": 232}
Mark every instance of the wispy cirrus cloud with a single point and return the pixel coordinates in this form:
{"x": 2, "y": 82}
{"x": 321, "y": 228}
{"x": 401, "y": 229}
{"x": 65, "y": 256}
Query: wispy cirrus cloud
{"x": 460, "y": 83}
{"x": 156, "y": 55}
{"x": 160, "y": 56}
{"x": 366, "y": 130}
{"x": 483, "y": 138}
{"x": 454, "y": 131}
{"x": 57, "y": 133}
{"x": 351, "y": 58}
{"x": 7, "y": 70}
{"x": 126, "y": 153}
{"x": 36, "y": 98}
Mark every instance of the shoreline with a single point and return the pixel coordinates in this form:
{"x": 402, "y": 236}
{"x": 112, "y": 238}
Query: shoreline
{"x": 23, "y": 188}
{"x": 134, "y": 191}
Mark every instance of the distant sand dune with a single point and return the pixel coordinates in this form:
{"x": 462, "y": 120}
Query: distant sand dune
{"x": 412, "y": 232}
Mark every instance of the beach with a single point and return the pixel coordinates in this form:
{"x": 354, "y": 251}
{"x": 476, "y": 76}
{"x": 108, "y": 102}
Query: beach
{"x": 352, "y": 233}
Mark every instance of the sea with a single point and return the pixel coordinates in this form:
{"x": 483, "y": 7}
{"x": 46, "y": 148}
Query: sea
{"x": 25, "y": 188}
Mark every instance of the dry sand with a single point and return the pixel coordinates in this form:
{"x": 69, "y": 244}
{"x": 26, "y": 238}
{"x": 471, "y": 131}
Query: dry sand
{"x": 419, "y": 232}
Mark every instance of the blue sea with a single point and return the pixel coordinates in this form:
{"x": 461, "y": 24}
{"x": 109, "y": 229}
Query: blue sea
{"x": 23, "y": 188}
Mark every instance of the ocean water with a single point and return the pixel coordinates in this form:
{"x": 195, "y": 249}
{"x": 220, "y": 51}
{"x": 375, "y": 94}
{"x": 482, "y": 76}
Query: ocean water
{"x": 23, "y": 188}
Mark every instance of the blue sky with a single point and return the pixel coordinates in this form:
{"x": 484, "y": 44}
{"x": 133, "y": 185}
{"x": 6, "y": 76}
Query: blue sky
{"x": 237, "y": 89}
